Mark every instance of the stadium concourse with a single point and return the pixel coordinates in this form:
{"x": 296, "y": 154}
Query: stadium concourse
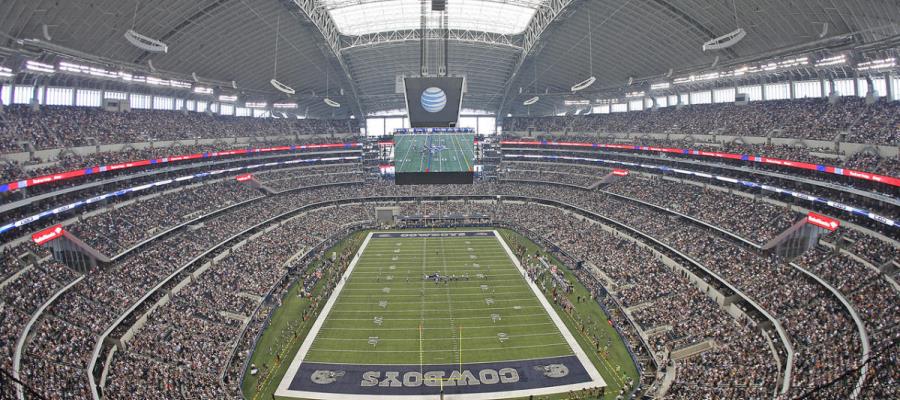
{"x": 708, "y": 209}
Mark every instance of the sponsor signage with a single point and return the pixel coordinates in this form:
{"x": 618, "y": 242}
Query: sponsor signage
{"x": 244, "y": 177}
{"x": 46, "y": 235}
{"x": 822, "y": 221}
{"x": 620, "y": 172}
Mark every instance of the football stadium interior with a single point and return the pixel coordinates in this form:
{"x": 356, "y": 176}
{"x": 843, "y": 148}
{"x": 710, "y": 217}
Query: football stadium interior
{"x": 449, "y": 199}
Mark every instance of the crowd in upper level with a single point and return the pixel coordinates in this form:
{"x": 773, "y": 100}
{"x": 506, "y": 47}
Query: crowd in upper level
{"x": 58, "y": 126}
{"x": 815, "y": 119}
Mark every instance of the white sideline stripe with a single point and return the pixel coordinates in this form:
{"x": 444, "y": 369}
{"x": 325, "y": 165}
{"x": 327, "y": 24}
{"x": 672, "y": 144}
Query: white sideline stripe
{"x": 314, "y": 331}
{"x": 596, "y": 379}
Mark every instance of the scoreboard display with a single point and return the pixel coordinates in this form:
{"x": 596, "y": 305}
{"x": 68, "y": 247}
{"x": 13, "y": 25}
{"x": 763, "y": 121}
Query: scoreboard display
{"x": 434, "y": 158}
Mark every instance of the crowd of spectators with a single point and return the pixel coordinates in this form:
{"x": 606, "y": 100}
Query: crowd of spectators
{"x": 59, "y": 126}
{"x": 197, "y": 337}
{"x": 287, "y": 179}
{"x": 33, "y": 278}
{"x": 67, "y": 161}
{"x": 120, "y": 228}
{"x": 751, "y": 219}
{"x": 198, "y": 329}
{"x": 571, "y": 174}
{"x": 814, "y": 119}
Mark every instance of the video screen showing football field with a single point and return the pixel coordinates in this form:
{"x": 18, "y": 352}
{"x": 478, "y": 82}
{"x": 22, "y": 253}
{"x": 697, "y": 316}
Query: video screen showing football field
{"x": 418, "y": 313}
{"x": 434, "y": 153}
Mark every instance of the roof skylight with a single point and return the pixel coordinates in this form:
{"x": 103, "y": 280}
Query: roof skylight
{"x": 358, "y": 17}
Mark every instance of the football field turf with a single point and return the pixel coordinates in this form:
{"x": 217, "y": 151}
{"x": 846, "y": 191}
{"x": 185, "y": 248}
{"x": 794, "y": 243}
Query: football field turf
{"x": 447, "y": 309}
{"x": 434, "y": 153}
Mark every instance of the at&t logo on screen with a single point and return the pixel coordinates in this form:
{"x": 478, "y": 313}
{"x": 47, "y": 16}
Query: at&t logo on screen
{"x": 433, "y": 99}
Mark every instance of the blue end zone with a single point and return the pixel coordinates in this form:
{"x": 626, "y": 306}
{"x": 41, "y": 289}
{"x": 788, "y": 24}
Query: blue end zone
{"x": 407, "y": 380}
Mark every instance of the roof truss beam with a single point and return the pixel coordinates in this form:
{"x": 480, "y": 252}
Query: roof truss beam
{"x": 318, "y": 15}
{"x": 543, "y": 18}
{"x": 458, "y": 35}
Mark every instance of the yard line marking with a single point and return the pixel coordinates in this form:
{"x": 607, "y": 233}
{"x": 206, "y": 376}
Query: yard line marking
{"x": 444, "y": 339}
{"x": 477, "y": 349}
{"x": 438, "y": 328}
{"x": 434, "y": 310}
{"x": 430, "y": 319}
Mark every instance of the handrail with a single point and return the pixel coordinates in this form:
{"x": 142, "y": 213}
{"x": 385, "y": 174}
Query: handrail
{"x": 20, "y": 344}
{"x": 893, "y": 181}
{"x": 145, "y": 174}
{"x": 780, "y": 330}
{"x": 860, "y": 327}
{"x": 797, "y": 178}
{"x": 102, "y": 337}
{"x": 61, "y": 176}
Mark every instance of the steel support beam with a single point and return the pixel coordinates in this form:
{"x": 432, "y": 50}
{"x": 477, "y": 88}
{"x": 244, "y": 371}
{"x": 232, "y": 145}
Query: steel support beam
{"x": 543, "y": 19}
{"x": 456, "y": 35}
{"x": 318, "y": 15}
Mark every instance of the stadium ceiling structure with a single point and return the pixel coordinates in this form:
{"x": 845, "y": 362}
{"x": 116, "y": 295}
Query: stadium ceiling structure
{"x": 509, "y": 50}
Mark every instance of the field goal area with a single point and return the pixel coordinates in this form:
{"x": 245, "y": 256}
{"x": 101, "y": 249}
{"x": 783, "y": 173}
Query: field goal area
{"x": 425, "y": 314}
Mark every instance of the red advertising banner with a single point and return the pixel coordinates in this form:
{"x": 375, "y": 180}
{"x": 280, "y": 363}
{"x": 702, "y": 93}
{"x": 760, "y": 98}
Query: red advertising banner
{"x": 244, "y": 177}
{"x": 822, "y": 221}
{"x": 48, "y": 234}
{"x": 620, "y": 172}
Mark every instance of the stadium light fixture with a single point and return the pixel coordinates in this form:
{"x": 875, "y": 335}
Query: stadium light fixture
{"x": 725, "y": 41}
{"x": 228, "y": 98}
{"x": 531, "y": 101}
{"x": 35, "y": 66}
{"x": 285, "y": 106}
{"x": 259, "y": 104}
{"x": 631, "y": 95}
{"x": 145, "y": 43}
{"x": 577, "y": 102}
{"x": 282, "y": 87}
{"x": 584, "y": 84}
{"x": 203, "y": 90}
{"x": 660, "y": 86}
{"x": 831, "y": 61}
{"x": 331, "y": 103}
{"x": 6, "y": 72}
{"x": 877, "y": 64}
{"x": 87, "y": 70}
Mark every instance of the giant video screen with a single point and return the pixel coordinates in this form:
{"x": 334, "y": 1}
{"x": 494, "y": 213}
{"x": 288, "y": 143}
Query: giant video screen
{"x": 434, "y": 158}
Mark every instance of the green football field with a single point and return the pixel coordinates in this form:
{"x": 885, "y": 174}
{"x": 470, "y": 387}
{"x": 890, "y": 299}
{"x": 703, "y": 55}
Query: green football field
{"x": 434, "y": 153}
{"x": 398, "y": 307}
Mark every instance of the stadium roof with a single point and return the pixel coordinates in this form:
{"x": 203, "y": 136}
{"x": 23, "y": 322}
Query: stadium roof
{"x": 353, "y": 50}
